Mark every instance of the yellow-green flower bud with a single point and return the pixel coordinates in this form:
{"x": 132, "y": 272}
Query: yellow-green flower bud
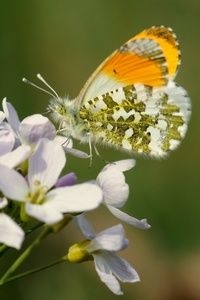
{"x": 78, "y": 252}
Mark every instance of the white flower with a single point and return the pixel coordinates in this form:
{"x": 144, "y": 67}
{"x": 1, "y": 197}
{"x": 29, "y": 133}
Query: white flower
{"x": 116, "y": 191}
{"x": 31, "y": 129}
{"x": 103, "y": 247}
{"x": 40, "y": 200}
{"x": 35, "y": 127}
{"x": 18, "y": 139}
{"x": 10, "y": 232}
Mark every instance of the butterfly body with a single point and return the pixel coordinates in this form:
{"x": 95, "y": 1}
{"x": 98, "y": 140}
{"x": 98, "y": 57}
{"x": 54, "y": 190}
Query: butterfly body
{"x": 131, "y": 101}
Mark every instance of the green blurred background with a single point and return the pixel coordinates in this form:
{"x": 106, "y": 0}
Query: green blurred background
{"x": 65, "y": 41}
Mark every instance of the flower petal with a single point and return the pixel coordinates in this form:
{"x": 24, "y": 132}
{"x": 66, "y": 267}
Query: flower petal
{"x": 111, "y": 239}
{"x": 2, "y": 116}
{"x": 46, "y": 164}
{"x": 85, "y": 226}
{"x": 76, "y": 152}
{"x": 76, "y": 198}
{"x": 3, "y": 202}
{"x": 16, "y": 157}
{"x": 10, "y": 232}
{"x": 106, "y": 275}
{"x": 11, "y": 115}
{"x": 115, "y": 189}
{"x": 121, "y": 165}
{"x": 141, "y": 224}
{"x": 12, "y": 184}
{"x": 120, "y": 267}
{"x": 7, "y": 138}
{"x": 35, "y": 127}
{"x": 66, "y": 180}
{"x": 44, "y": 213}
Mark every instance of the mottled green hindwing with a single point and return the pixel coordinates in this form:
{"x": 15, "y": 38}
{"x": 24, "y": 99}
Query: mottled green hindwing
{"x": 139, "y": 118}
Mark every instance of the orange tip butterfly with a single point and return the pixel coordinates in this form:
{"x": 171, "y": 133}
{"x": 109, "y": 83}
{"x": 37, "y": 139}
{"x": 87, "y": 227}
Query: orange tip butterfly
{"x": 131, "y": 101}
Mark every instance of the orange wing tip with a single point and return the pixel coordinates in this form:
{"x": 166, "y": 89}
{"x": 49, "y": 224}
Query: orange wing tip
{"x": 129, "y": 68}
{"x": 151, "y": 57}
{"x": 169, "y": 44}
{"x": 163, "y": 32}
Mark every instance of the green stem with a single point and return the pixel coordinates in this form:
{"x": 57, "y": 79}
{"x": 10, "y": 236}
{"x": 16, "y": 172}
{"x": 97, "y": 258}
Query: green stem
{"x": 33, "y": 271}
{"x": 24, "y": 255}
{"x": 35, "y": 227}
{"x": 3, "y": 249}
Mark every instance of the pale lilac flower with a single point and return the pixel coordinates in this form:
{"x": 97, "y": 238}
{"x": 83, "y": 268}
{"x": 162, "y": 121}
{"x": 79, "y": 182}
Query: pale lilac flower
{"x": 103, "y": 247}
{"x": 10, "y": 232}
{"x": 35, "y": 127}
{"x": 40, "y": 200}
{"x": 31, "y": 129}
{"x": 116, "y": 191}
{"x": 17, "y": 139}
{"x": 22, "y": 137}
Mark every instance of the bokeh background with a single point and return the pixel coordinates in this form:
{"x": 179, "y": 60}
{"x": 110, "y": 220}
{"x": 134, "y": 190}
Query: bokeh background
{"x": 65, "y": 41}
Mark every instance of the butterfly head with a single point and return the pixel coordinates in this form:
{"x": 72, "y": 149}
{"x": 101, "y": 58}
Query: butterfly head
{"x": 64, "y": 112}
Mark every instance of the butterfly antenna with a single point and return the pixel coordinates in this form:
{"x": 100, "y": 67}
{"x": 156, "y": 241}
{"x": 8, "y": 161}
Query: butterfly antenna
{"x": 39, "y": 76}
{"x": 38, "y": 87}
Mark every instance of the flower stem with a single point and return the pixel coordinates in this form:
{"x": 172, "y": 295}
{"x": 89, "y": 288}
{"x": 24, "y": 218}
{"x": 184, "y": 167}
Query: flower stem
{"x": 24, "y": 255}
{"x": 33, "y": 271}
{"x": 3, "y": 249}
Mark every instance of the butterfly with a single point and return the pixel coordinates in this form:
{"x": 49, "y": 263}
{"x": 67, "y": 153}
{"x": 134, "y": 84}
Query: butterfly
{"x": 131, "y": 101}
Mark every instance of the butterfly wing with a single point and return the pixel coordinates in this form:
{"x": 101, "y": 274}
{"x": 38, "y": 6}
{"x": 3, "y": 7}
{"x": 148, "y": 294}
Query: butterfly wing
{"x": 139, "y": 118}
{"x": 131, "y": 101}
{"x": 151, "y": 58}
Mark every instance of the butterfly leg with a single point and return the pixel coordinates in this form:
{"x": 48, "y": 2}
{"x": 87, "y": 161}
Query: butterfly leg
{"x": 99, "y": 155}
{"x": 90, "y": 149}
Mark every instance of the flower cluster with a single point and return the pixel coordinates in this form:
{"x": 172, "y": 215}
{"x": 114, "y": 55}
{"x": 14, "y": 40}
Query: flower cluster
{"x": 34, "y": 190}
